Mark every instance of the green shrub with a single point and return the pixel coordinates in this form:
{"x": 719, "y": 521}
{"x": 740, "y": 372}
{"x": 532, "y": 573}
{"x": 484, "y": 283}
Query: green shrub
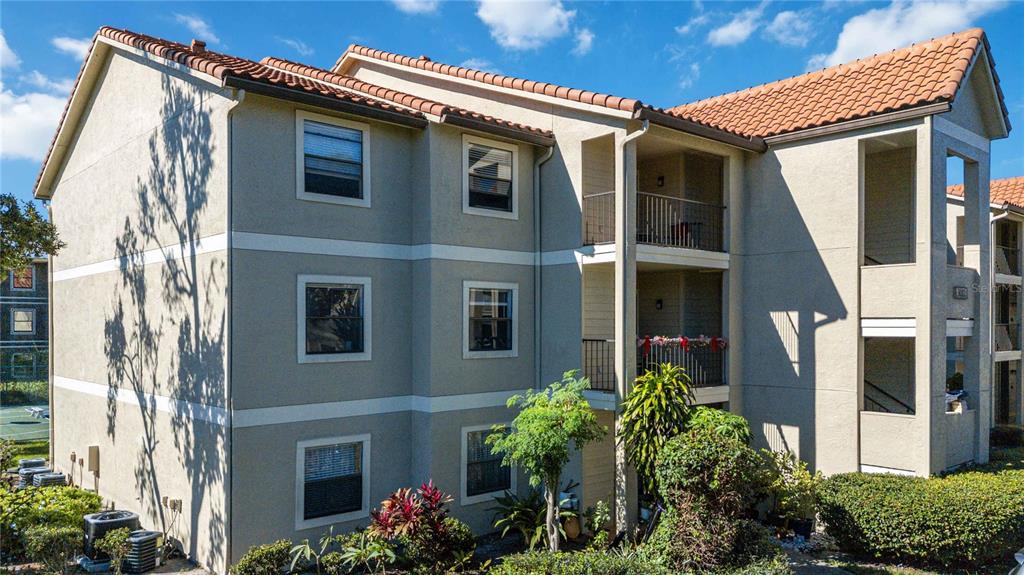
{"x": 115, "y": 544}
{"x": 791, "y": 485}
{"x": 579, "y": 563}
{"x": 333, "y": 563}
{"x": 51, "y": 506}
{"x": 712, "y": 419}
{"x": 270, "y": 559}
{"x": 1007, "y": 436}
{"x": 24, "y": 392}
{"x": 963, "y": 519}
{"x": 439, "y": 549}
{"x": 53, "y": 546}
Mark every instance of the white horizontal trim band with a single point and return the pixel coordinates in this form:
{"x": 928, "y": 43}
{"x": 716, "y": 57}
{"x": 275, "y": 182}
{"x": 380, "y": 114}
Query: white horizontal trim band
{"x": 209, "y": 244}
{"x": 293, "y": 413}
{"x": 211, "y": 414}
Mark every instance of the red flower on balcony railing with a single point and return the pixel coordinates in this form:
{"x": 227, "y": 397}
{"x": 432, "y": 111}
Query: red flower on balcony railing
{"x": 716, "y": 344}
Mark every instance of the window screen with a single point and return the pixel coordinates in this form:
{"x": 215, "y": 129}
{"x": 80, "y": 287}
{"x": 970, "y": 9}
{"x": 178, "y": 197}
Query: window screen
{"x": 22, "y": 279}
{"x": 484, "y": 471}
{"x": 23, "y": 320}
{"x": 333, "y": 477}
{"x": 490, "y": 319}
{"x": 490, "y": 178}
{"x": 333, "y": 160}
{"x": 334, "y": 318}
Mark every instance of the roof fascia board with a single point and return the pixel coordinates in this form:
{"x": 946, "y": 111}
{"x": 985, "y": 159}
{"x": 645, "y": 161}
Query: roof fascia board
{"x": 850, "y": 125}
{"x": 510, "y": 133}
{"x": 326, "y": 102}
{"x": 1004, "y": 128}
{"x": 561, "y": 102}
{"x": 69, "y": 123}
{"x": 700, "y": 130}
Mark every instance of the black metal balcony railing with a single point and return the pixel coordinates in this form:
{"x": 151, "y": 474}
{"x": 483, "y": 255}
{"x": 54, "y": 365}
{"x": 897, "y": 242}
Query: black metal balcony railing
{"x": 1007, "y": 260}
{"x": 1006, "y": 337}
{"x": 661, "y": 220}
{"x": 705, "y": 367}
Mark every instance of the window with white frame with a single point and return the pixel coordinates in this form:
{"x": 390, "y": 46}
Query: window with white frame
{"x": 483, "y": 474}
{"x": 23, "y": 279}
{"x": 332, "y": 160}
{"x": 489, "y": 185}
{"x": 334, "y": 318}
{"x": 23, "y": 321}
{"x": 491, "y": 319}
{"x": 332, "y": 480}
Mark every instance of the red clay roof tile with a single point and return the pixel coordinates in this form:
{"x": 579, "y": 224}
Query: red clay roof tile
{"x": 925, "y": 73}
{"x": 1005, "y": 191}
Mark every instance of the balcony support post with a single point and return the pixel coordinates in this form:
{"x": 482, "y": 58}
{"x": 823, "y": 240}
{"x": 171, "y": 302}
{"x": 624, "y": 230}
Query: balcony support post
{"x": 626, "y": 490}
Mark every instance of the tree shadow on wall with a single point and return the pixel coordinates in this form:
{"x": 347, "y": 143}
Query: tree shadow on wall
{"x": 165, "y": 331}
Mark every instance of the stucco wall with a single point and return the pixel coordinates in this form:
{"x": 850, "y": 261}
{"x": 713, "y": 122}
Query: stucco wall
{"x": 146, "y": 171}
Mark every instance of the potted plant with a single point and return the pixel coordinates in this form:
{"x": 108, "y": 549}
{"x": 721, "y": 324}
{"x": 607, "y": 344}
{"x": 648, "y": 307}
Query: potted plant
{"x": 792, "y": 489}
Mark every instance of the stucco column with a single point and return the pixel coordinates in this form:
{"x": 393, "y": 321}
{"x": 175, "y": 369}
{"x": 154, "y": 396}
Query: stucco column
{"x": 626, "y": 504}
{"x": 977, "y": 359}
{"x": 931, "y": 287}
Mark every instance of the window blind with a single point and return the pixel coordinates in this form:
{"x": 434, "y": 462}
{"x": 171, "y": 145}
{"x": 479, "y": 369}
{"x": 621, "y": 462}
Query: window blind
{"x": 484, "y": 470}
{"x": 333, "y": 476}
{"x": 490, "y": 178}
{"x": 333, "y": 160}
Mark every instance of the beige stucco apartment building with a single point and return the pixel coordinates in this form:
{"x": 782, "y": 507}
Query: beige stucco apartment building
{"x": 311, "y": 287}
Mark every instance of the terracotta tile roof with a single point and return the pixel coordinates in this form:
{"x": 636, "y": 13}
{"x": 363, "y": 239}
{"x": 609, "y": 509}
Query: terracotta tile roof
{"x": 926, "y": 73}
{"x": 299, "y": 78}
{"x": 1005, "y": 191}
{"x": 408, "y": 100}
{"x": 544, "y": 88}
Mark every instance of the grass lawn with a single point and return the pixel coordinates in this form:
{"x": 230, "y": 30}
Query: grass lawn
{"x": 32, "y": 449}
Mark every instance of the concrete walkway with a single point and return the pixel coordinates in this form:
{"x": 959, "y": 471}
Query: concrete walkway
{"x": 807, "y": 565}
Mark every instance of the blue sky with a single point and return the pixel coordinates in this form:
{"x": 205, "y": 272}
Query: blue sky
{"x": 664, "y": 53}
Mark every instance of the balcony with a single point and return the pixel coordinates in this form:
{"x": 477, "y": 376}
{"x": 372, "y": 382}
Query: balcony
{"x": 661, "y": 221}
{"x": 1006, "y": 337}
{"x": 706, "y": 367}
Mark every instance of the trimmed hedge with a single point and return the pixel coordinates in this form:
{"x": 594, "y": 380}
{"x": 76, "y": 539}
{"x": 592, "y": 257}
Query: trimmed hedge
{"x": 579, "y": 563}
{"x": 50, "y": 506}
{"x": 965, "y": 519}
{"x": 270, "y": 559}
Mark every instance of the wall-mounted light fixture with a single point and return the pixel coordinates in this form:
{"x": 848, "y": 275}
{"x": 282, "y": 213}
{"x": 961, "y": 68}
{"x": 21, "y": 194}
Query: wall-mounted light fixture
{"x": 658, "y": 304}
{"x": 661, "y": 181}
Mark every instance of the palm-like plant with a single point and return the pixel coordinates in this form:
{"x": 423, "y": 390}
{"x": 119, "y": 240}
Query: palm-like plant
{"x": 655, "y": 411}
{"x": 527, "y": 515}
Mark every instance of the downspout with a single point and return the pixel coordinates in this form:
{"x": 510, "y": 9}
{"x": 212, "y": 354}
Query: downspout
{"x": 537, "y": 263}
{"x": 625, "y": 188}
{"x": 239, "y": 97}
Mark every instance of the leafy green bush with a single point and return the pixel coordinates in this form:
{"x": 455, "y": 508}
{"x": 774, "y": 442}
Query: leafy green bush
{"x": 24, "y": 392}
{"x": 53, "y": 546}
{"x": 791, "y": 485}
{"x": 439, "y": 549}
{"x": 363, "y": 550}
{"x": 52, "y": 506}
{"x": 965, "y": 519}
{"x": 1007, "y": 436}
{"x": 115, "y": 544}
{"x": 709, "y": 418}
{"x": 579, "y": 563}
{"x": 270, "y": 559}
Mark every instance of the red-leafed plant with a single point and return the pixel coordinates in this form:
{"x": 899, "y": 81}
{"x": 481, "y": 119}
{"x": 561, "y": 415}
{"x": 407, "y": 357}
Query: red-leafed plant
{"x": 419, "y": 521}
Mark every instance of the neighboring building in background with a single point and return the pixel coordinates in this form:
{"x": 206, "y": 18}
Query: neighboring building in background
{"x": 1007, "y": 198}
{"x": 24, "y": 324}
{"x": 310, "y": 287}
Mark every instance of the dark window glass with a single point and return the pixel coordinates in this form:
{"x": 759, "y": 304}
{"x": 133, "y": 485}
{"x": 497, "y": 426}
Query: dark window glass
{"x": 490, "y": 319}
{"x": 334, "y": 319}
{"x": 333, "y": 160}
{"x": 484, "y": 471}
{"x": 490, "y": 178}
{"x": 333, "y": 480}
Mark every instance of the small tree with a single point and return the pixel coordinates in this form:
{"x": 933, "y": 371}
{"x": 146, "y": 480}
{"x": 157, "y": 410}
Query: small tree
{"x": 548, "y": 424}
{"x": 115, "y": 544}
{"x": 24, "y": 234}
{"x": 655, "y": 411}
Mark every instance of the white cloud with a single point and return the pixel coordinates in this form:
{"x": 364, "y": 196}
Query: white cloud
{"x": 77, "y": 47}
{"x": 8, "y": 59}
{"x": 738, "y": 29}
{"x": 899, "y": 24}
{"x": 525, "y": 25}
{"x": 44, "y": 82}
{"x": 692, "y": 24}
{"x": 298, "y": 45}
{"x": 27, "y": 123}
{"x": 201, "y": 28}
{"x": 690, "y": 75}
{"x": 790, "y": 28}
{"x": 482, "y": 64}
{"x": 416, "y": 6}
{"x": 584, "y": 42}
